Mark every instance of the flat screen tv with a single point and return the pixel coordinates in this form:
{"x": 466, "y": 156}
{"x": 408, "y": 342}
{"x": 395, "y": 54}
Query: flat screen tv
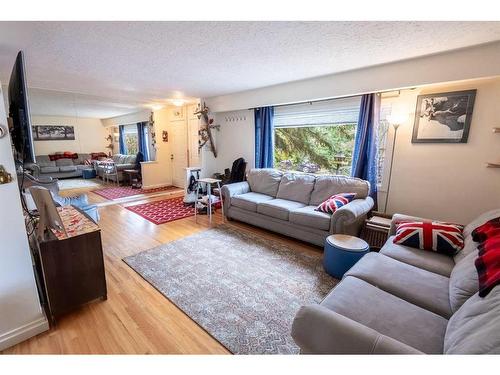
{"x": 19, "y": 112}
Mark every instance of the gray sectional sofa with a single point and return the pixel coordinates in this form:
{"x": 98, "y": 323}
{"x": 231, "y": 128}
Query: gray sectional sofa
{"x": 285, "y": 203}
{"x": 122, "y": 162}
{"x": 404, "y": 301}
{"x": 62, "y": 168}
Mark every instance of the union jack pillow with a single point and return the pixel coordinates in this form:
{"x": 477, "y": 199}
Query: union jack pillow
{"x": 336, "y": 201}
{"x": 444, "y": 238}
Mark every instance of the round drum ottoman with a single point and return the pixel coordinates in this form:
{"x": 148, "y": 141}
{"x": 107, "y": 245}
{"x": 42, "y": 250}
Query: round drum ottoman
{"x": 342, "y": 252}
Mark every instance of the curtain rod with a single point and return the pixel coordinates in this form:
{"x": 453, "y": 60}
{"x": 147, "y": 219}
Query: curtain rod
{"x": 328, "y": 99}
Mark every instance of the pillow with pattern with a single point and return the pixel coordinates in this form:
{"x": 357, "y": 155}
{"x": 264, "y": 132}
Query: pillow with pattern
{"x": 444, "y": 238}
{"x": 336, "y": 201}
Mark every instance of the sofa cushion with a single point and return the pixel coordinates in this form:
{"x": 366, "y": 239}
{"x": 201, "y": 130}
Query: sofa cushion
{"x": 278, "y": 208}
{"x": 296, "y": 187}
{"x": 130, "y": 159}
{"x": 53, "y": 169}
{"x": 387, "y": 314}
{"x": 463, "y": 281}
{"x": 326, "y": 186}
{"x": 64, "y": 162}
{"x": 475, "y": 327}
{"x": 44, "y": 161}
{"x": 309, "y": 217}
{"x": 264, "y": 181}
{"x": 427, "y": 260}
{"x": 249, "y": 201}
{"x": 67, "y": 168}
{"x": 417, "y": 286}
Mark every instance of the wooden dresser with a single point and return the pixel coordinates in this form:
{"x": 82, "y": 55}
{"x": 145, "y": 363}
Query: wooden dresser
{"x": 71, "y": 265}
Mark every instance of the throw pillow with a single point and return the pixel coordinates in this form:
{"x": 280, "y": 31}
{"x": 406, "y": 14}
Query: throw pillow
{"x": 488, "y": 265}
{"x": 444, "y": 238}
{"x": 336, "y": 201}
{"x": 489, "y": 229}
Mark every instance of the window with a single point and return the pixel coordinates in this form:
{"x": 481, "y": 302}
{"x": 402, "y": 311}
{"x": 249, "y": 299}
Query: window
{"x": 316, "y": 137}
{"x": 131, "y": 139}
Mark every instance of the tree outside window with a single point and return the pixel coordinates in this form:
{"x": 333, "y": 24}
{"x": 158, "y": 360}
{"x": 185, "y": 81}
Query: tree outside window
{"x": 315, "y": 149}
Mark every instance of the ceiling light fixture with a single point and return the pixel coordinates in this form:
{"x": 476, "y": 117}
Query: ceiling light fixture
{"x": 177, "y": 102}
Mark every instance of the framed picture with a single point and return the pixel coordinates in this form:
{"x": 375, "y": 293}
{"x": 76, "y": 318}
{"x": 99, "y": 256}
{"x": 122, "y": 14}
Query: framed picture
{"x": 178, "y": 113}
{"x": 443, "y": 117}
{"x": 53, "y": 133}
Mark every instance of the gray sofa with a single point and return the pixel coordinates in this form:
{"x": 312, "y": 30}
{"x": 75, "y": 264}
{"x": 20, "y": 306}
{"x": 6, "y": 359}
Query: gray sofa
{"x": 122, "y": 162}
{"x": 285, "y": 203}
{"x": 62, "y": 168}
{"x": 404, "y": 301}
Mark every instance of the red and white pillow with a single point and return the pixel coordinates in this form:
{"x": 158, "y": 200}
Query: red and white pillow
{"x": 336, "y": 201}
{"x": 444, "y": 238}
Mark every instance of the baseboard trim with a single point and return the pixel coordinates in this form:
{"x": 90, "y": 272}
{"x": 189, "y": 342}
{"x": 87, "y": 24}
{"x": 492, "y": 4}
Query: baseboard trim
{"x": 23, "y": 333}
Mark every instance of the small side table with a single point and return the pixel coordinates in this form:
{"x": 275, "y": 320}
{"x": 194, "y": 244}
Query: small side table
{"x": 208, "y": 182}
{"x": 342, "y": 252}
{"x": 376, "y": 230}
{"x": 133, "y": 177}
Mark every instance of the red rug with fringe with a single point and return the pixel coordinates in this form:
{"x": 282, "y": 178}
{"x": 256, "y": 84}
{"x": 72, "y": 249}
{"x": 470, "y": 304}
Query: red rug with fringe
{"x": 112, "y": 193}
{"x": 160, "y": 212}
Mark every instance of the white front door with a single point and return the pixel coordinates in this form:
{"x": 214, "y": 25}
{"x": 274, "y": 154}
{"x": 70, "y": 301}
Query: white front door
{"x": 178, "y": 152}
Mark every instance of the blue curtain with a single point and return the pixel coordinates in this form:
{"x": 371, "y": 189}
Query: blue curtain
{"x": 364, "y": 159}
{"x": 121, "y": 139}
{"x": 264, "y": 137}
{"x": 142, "y": 139}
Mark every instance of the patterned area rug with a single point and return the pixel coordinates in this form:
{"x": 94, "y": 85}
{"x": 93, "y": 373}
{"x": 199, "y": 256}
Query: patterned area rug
{"x": 160, "y": 212}
{"x": 118, "y": 192}
{"x": 241, "y": 288}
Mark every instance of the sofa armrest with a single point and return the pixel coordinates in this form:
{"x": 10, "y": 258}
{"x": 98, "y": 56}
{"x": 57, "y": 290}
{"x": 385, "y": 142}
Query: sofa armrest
{"x": 398, "y": 218}
{"x": 237, "y": 188}
{"x": 348, "y": 219}
{"x": 230, "y": 190}
{"x": 34, "y": 168}
{"x": 318, "y": 330}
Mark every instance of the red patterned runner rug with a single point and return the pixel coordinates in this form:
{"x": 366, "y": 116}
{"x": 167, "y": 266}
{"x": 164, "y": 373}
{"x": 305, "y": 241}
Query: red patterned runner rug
{"x": 112, "y": 193}
{"x": 163, "y": 211}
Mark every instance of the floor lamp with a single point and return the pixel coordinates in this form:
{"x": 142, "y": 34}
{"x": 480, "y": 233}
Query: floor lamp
{"x": 396, "y": 121}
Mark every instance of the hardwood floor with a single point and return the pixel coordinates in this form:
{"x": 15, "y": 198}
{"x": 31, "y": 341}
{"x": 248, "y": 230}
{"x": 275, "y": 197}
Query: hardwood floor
{"x": 136, "y": 319}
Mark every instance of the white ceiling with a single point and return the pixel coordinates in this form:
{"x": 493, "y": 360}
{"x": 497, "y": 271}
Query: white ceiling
{"x": 147, "y": 62}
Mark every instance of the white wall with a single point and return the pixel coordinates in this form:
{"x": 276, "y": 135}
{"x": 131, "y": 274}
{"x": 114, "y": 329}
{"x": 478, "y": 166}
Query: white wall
{"x": 20, "y": 314}
{"x": 475, "y": 62}
{"x": 90, "y": 135}
{"x": 447, "y": 181}
{"x": 235, "y": 139}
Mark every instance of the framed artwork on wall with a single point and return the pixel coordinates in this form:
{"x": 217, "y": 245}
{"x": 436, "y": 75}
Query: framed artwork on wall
{"x": 53, "y": 133}
{"x": 443, "y": 117}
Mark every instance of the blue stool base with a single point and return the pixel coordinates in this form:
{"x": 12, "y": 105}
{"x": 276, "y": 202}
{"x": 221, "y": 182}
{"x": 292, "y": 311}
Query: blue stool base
{"x": 338, "y": 261}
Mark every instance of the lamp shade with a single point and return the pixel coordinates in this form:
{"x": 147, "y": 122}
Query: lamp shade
{"x": 396, "y": 119}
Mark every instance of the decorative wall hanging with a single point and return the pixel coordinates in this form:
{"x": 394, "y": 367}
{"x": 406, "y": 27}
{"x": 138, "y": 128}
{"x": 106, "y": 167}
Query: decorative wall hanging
{"x": 443, "y": 117}
{"x": 111, "y": 145}
{"x": 152, "y": 132}
{"x": 178, "y": 114}
{"x": 164, "y": 136}
{"x": 53, "y": 133}
{"x": 205, "y": 132}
